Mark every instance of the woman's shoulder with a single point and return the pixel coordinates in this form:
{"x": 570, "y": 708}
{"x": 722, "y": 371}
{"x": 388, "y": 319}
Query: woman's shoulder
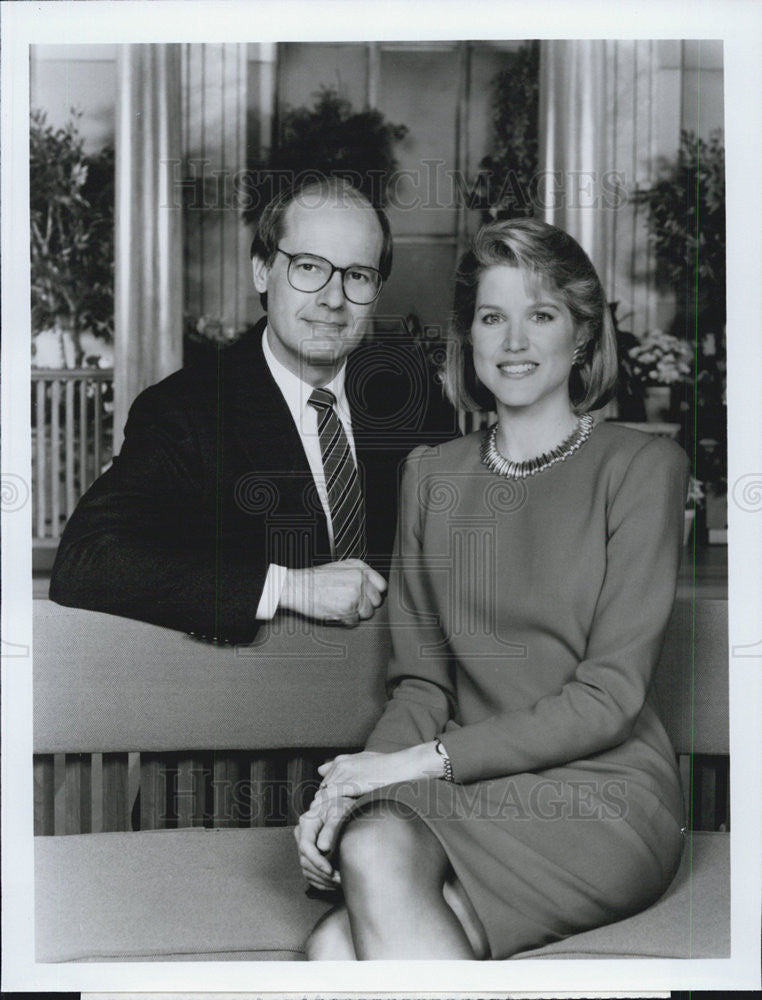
{"x": 642, "y": 460}
{"x": 449, "y": 455}
{"x": 623, "y": 444}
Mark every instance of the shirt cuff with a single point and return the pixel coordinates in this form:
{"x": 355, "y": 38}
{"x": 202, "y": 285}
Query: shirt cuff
{"x": 268, "y": 602}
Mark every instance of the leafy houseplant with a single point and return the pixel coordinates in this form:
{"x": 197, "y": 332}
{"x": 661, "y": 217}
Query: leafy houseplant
{"x": 72, "y": 234}
{"x": 686, "y": 220}
{"x": 331, "y": 139}
{"x": 649, "y": 368}
{"x": 506, "y": 184}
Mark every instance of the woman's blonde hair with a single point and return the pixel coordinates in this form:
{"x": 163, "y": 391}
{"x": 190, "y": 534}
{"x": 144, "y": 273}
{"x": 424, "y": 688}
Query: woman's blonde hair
{"x": 557, "y": 262}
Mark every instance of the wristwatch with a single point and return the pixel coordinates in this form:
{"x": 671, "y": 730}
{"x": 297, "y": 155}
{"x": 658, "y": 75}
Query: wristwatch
{"x": 446, "y": 765}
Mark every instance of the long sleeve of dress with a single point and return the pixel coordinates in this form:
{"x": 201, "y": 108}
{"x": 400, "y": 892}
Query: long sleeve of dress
{"x": 420, "y": 682}
{"x": 598, "y": 706}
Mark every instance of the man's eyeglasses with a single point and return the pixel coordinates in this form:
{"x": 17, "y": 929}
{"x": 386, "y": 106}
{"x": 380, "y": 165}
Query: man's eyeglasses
{"x": 309, "y": 273}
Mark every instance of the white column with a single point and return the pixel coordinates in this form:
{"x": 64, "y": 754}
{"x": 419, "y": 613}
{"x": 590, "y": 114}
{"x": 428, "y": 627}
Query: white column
{"x": 220, "y": 115}
{"x": 603, "y": 109}
{"x": 148, "y": 278}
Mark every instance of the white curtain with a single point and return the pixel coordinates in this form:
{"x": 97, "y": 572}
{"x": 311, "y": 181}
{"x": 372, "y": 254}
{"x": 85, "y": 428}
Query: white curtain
{"x": 608, "y": 109}
{"x": 148, "y": 280}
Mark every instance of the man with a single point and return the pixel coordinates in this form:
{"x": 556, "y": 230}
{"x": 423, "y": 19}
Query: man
{"x": 240, "y": 489}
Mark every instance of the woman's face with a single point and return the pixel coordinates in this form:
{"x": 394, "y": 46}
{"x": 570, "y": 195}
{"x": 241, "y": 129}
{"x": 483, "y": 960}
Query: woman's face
{"x": 523, "y": 341}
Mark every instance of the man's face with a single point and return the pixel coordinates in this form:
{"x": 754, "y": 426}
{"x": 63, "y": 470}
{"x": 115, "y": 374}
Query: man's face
{"x": 311, "y": 333}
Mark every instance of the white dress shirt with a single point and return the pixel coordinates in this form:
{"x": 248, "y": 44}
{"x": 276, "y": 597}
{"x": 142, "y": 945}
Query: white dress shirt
{"x": 296, "y": 394}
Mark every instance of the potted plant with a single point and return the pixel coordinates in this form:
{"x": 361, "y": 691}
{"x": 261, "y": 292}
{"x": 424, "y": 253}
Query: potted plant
{"x": 72, "y": 239}
{"x": 686, "y": 220}
{"x": 506, "y": 184}
{"x": 331, "y": 139}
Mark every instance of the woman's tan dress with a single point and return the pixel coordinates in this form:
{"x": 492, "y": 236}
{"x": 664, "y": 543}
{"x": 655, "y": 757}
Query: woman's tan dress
{"x": 527, "y": 617}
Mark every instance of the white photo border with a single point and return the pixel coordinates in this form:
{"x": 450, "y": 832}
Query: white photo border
{"x": 739, "y": 24}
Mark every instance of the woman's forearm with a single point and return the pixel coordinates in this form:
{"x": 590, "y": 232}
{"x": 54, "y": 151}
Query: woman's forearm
{"x": 356, "y": 774}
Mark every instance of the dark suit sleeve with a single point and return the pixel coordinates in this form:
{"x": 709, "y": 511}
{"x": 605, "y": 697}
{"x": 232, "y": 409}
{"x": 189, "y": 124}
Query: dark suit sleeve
{"x": 144, "y": 543}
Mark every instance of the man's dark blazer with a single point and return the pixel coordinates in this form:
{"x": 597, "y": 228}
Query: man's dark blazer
{"x": 212, "y": 485}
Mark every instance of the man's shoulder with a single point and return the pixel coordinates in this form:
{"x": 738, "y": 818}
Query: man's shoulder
{"x": 396, "y": 397}
{"x": 205, "y": 384}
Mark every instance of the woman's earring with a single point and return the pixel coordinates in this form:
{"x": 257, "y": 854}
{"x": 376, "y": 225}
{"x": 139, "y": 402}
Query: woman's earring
{"x": 580, "y": 353}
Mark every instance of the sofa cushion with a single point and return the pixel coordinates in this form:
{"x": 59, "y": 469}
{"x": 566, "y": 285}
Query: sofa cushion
{"x": 150, "y": 897}
{"x": 172, "y": 894}
{"x": 691, "y": 920}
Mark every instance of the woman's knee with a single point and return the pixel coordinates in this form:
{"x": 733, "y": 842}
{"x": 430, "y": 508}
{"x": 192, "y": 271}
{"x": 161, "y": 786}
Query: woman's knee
{"x": 386, "y": 841}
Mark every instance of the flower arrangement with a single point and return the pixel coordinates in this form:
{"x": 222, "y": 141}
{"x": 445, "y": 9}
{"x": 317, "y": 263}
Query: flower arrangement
{"x": 205, "y": 335}
{"x": 211, "y": 328}
{"x": 661, "y": 359}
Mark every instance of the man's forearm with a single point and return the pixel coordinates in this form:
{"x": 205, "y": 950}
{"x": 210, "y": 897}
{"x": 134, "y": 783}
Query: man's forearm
{"x": 205, "y": 593}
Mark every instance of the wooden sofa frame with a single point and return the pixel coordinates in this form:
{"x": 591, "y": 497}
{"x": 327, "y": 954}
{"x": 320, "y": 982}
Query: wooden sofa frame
{"x": 168, "y": 773}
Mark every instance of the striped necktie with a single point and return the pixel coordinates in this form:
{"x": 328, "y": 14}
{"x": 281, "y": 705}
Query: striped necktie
{"x": 345, "y": 500}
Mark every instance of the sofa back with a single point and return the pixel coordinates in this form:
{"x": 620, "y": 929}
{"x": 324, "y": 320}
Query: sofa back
{"x": 108, "y": 684}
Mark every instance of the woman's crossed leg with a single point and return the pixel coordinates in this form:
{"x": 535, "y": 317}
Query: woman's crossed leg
{"x": 402, "y": 901}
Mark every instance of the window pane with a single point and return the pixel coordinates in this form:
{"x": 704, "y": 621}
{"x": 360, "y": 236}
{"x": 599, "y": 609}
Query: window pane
{"x": 420, "y": 90}
{"x": 303, "y": 68}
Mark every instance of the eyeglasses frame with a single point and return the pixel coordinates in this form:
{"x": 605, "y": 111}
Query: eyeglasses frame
{"x": 342, "y": 271}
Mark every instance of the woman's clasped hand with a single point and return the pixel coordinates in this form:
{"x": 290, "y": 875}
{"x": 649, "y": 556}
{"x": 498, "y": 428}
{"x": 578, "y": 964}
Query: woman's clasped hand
{"x": 345, "y": 779}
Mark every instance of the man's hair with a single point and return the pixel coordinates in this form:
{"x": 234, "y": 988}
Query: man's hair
{"x": 332, "y": 190}
{"x": 550, "y": 258}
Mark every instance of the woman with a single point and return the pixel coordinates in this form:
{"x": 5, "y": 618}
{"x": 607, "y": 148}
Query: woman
{"x": 519, "y": 786}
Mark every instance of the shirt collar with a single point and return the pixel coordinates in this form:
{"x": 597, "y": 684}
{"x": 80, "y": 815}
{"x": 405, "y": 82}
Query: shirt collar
{"x": 295, "y": 391}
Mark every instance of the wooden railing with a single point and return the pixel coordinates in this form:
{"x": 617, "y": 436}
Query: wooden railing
{"x": 72, "y": 435}
{"x": 473, "y": 420}
{"x": 106, "y": 792}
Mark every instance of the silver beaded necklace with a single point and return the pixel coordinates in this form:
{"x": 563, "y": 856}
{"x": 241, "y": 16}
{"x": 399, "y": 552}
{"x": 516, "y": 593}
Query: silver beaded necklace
{"x": 503, "y": 466}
